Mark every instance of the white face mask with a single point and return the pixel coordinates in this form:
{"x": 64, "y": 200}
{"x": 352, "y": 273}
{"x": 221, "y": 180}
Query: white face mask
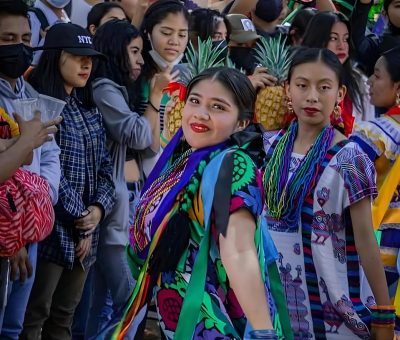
{"x": 159, "y": 60}
{"x": 58, "y": 3}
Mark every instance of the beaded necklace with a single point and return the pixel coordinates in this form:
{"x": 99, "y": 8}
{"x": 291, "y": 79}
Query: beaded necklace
{"x": 170, "y": 176}
{"x": 284, "y": 198}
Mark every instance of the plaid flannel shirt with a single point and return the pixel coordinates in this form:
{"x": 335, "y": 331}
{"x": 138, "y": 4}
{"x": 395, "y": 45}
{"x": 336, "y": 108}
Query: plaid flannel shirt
{"x": 86, "y": 179}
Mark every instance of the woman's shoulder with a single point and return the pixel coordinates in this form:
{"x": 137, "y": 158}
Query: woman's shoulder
{"x": 102, "y": 84}
{"x": 351, "y": 160}
{"x": 382, "y": 133}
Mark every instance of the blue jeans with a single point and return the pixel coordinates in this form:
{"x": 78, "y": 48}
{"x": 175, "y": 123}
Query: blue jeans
{"x": 18, "y": 296}
{"x": 111, "y": 276}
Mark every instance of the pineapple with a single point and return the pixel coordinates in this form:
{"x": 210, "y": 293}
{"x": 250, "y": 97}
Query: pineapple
{"x": 271, "y": 104}
{"x": 204, "y": 57}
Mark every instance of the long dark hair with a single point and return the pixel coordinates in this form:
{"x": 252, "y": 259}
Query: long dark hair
{"x": 392, "y": 60}
{"x": 204, "y": 21}
{"x": 394, "y": 29}
{"x": 98, "y": 11}
{"x": 14, "y": 7}
{"x": 235, "y": 82}
{"x": 156, "y": 13}
{"x": 112, "y": 40}
{"x": 46, "y": 78}
{"x": 318, "y": 35}
{"x": 304, "y": 55}
{"x": 300, "y": 22}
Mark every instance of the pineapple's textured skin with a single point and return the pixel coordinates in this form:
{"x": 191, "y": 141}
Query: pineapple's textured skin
{"x": 174, "y": 119}
{"x": 271, "y": 107}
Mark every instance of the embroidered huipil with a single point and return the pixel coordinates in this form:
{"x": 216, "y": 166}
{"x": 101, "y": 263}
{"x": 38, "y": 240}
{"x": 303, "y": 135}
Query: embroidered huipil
{"x": 325, "y": 288}
{"x": 86, "y": 179}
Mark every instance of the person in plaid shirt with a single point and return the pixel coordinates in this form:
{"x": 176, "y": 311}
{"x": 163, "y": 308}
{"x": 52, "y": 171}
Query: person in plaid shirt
{"x": 86, "y": 193}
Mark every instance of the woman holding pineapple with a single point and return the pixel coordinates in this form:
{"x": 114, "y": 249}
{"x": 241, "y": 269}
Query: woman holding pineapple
{"x": 196, "y": 243}
{"x": 165, "y": 29}
{"x": 318, "y": 189}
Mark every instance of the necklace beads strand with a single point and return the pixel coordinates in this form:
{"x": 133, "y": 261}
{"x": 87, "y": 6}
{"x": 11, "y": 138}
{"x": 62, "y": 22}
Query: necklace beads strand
{"x": 284, "y": 198}
{"x": 157, "y": 189}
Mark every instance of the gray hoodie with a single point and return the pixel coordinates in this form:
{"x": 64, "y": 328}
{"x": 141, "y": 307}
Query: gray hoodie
{"x": 46, "y": 161}
{"x": 125, "y": 129}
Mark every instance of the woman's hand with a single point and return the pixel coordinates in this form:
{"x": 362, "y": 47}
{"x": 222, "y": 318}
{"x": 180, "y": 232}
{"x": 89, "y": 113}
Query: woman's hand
{"x": 261, "y": 78}
{"x": 159, "y": 82}
{"x": 90, "y": 219}
{"x": 35, "y": 131}
{"x": 83, "y": 248}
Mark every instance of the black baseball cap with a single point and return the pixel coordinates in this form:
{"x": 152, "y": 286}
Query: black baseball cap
{"x": 268, "y": 10}
{"x": 71, "y": 38}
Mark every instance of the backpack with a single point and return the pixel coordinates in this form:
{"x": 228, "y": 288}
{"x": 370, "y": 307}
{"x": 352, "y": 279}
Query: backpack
{"x": 26, "y": 210}
{"x": 44, "y": 23}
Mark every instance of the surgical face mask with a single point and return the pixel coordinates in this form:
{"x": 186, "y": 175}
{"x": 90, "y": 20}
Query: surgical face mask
{"x": 15, "y": 60}
{"x": 160, "y": 61}
{"x": 58, "y": 3}
{"x": 221, "y": 45}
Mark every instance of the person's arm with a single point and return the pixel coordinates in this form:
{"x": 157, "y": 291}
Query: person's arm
{"x": 50, "y": 167}
{"x": 325, "y": 5}
{"x": 123, "y": 125}
{"x": 34, "y": 133}
{"x": 12, "y": 157}
{"x": 105, "y": 196}
{"x": 240, "y": 260}
{"x": 140, "y": 10}
{"x": 368, "y": 251}
{"x": 365, "y": 45}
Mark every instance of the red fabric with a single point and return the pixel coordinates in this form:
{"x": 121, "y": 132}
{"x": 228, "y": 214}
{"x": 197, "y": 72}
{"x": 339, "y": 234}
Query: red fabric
{"x": 172, "y": 87}
{"x": 26, "y": 211}
{"x": 393, "y": 111}
{"x": 347, "y": 115}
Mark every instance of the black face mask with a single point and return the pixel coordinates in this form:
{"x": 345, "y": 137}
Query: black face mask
{"x": 15, "y": 60}
{"x": 223, "y": 46}
{"x": 243, "y": 57}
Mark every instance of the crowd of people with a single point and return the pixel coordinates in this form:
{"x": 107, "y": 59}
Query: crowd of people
{"x": 154, "y": 192}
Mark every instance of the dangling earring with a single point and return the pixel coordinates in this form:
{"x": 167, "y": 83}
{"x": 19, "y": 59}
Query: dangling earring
{"x": 398, "y": 99}
{"x": 336, "y": 117}
{"x": 337, "y": 112}
{"x": 290, "y": 106}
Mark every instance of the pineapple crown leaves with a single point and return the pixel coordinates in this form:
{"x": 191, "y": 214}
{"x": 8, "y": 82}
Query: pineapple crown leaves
{"x": 273, "y": 54}
{"x": 205, "y": 56}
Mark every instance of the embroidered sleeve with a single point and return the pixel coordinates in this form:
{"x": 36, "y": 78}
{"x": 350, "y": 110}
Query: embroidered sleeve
{"x": 358, "y": 173}
{"x": 247, "y": 189}
{"x": 369, "y": 141}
